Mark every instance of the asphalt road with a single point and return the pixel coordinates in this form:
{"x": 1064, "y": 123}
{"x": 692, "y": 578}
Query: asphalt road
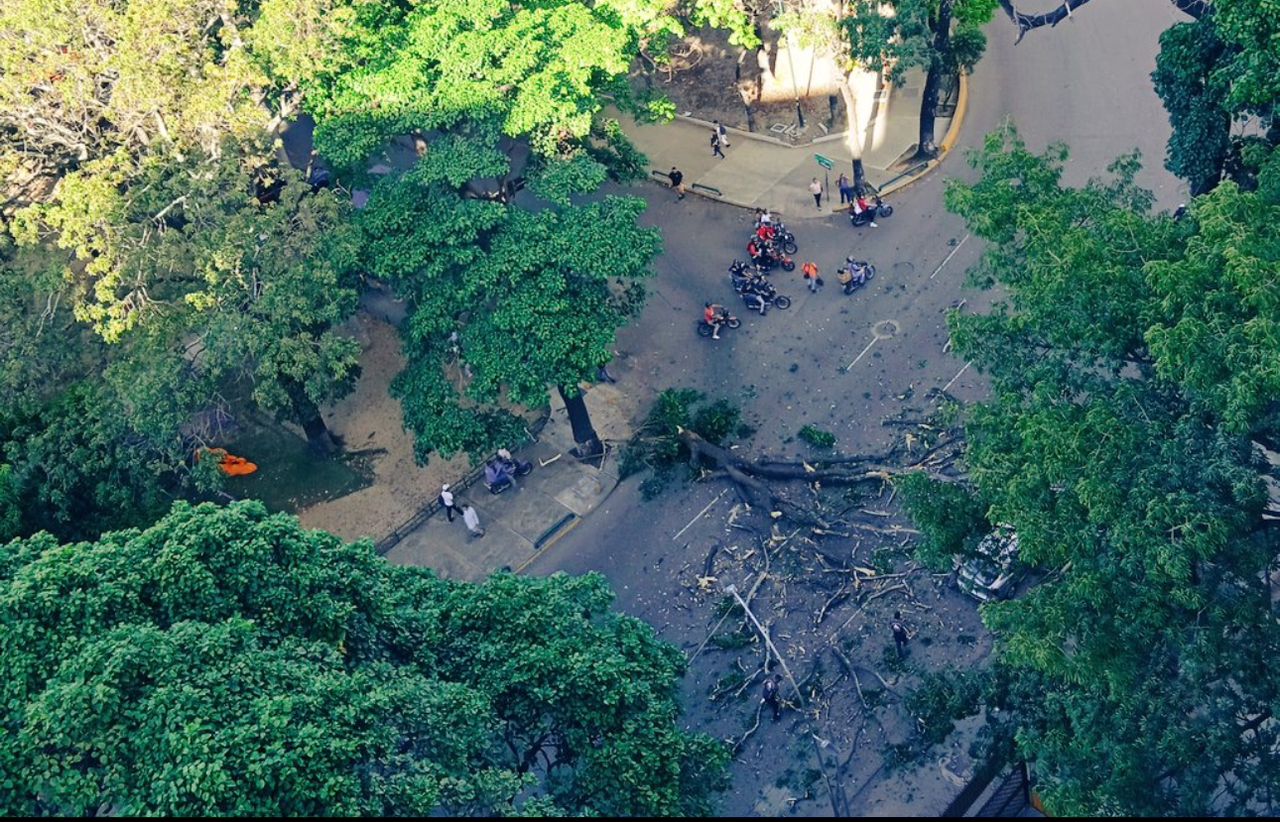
{"x": 840, "y": 362}
{"x": 843, "y": 363}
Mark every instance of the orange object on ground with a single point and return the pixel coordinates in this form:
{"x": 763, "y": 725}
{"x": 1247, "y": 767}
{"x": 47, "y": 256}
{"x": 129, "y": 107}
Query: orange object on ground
{"x": 229, "y": 464}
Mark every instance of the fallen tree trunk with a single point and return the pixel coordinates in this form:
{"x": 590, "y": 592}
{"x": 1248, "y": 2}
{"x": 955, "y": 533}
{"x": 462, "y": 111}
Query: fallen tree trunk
{"x": 749, "y": 476}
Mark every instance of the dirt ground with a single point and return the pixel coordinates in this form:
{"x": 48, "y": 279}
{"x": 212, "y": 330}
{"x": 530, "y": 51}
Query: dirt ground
{"x": 712, "y": 80}
{"x": 370, "y": 419}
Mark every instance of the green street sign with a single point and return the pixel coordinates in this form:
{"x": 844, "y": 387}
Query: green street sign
{"x": 825, "y": 162}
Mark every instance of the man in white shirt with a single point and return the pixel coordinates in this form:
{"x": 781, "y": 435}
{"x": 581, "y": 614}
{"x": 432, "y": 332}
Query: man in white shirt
{"x": 446, "y": 500}
{"x": 472, "y": 520}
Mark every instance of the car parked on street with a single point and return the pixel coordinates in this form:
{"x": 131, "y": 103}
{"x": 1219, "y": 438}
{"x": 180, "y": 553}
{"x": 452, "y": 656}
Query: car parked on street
{"x": 994, "y": 572}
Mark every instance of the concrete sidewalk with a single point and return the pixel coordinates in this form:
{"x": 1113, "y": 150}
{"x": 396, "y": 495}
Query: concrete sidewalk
{"x": 522, "y": 521}
{"x": 763, "y": 171}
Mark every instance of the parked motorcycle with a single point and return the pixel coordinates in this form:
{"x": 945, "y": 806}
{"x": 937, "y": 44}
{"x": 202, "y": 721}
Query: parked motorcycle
{"x": 516, "y": 466}
{"x": 878, "y": 209}
{"x": 855, "y": 274}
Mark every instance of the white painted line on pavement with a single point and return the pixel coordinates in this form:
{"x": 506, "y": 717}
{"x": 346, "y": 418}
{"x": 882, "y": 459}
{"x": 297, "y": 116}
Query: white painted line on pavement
{"x": 957, "y": 376}
{"x": 700, "y": 513}
{"x": 949, "y": 256}
{"x": 874, "y": 340}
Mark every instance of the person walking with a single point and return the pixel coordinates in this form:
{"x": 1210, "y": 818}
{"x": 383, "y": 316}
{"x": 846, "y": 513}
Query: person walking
{"x": 472, "y": 521}
{"x": 677, "y": 182}
{"x": 446, "y": 499}
{"x": 900, "y": 633}
{"x": 815, "y": 188}
{"x": 715, "y": 146}
{"x": 810, "y": 272}
{"x": 721, "y": 132}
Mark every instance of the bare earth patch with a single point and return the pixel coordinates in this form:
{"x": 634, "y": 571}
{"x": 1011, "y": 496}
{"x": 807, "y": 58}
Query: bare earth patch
{"x": 370, "y": 419}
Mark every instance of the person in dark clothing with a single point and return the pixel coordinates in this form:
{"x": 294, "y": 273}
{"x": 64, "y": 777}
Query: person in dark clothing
{"x": 900, "y": 633}
{"x": 715, "y": 146}
{"x": 677, "y": 182}
{"x": 771, "y": 697}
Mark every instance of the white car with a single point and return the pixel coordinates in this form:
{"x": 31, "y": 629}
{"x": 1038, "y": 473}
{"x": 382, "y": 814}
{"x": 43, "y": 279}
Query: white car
{"x": 995, "y": 571}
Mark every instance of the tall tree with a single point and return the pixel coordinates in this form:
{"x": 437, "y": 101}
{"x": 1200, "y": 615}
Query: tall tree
{"x": 1132, "y": 369}
{"x": 506, "y": 301}
{"x": 1217, "y": 77}
{"x": 182, "y": 263}
{"x": 943, "y": 37}
{"x": 226, "y": 662}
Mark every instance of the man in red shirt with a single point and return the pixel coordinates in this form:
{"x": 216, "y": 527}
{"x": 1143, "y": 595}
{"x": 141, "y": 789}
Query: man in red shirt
{"x": 714, "y": 317}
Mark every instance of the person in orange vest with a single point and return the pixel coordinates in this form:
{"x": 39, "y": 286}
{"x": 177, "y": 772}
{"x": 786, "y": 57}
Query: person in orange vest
{"x": 810, "y": 272}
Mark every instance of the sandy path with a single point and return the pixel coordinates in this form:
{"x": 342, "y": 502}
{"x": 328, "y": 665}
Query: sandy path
{"x": 371, "y": 418}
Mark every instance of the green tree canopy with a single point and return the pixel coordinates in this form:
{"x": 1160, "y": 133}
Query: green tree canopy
{"x": 225, "y": 661}
{"x": 1131, "y": 364}
{"x": 533, "y": 297}
{"x": 942, "y": 37}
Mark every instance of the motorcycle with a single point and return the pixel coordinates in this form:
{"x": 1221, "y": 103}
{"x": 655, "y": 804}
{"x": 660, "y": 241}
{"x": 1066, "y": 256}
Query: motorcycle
{"x": 520, "y": 468}
{"x": 783, "y": 238}
{"x": 763, "y": 300}
{"x": 705, "y": 328}
{"x": 771, "y": 256}
{"x": 855, "y": 275}
{"x": 877, "y": 209}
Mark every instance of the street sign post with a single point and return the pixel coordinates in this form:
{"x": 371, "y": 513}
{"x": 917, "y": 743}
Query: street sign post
{"x": 827, "y": 164}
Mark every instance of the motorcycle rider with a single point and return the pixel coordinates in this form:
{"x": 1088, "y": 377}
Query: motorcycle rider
{"x": 496, "y": 475}
{"x": 852, "y": 272}
{"x": 755, "y": 301}
{"x": 765, "y": 233}
{"x": 755, "y": 251}
{"x": 861, "y": 205}
{"x": 714, "y": 316}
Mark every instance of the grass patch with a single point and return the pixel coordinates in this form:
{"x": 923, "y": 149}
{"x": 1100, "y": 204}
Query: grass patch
{"x": 817, "y": 437}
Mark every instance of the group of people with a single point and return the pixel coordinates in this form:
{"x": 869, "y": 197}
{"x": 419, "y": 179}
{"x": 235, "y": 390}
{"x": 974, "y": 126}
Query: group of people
{"x": 469, "y": 516}
{"x": 762, "y": 247}
{"x": 857, "y": 200}
{"x": 499, "y": 472}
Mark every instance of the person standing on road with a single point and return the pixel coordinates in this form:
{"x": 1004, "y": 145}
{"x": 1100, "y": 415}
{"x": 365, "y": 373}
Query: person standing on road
{"x": 715, "y": 146}
{"x": 677, "y": 182}
{"x": 771, "y": 698}
{"x": 810, "y": 272}
{"x": 846, "y": 189}
{"x": 815, "y": 188}
{"x": 721, "y": 132}
{"x": 472, "y": 520}
{"x": 900, "y": 633}
{"x": 446, "y": 499}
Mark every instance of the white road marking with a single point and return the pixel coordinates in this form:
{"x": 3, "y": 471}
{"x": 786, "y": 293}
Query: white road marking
{"x": 949, "y": 256}
{"x": 957, "y": 376}
{"x": 874, "y": 340}
{"x": 700, "y": 513}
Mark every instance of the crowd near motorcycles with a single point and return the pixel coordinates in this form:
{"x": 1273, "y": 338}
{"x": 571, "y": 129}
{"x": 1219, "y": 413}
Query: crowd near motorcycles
{"x": 770, "y": 246}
